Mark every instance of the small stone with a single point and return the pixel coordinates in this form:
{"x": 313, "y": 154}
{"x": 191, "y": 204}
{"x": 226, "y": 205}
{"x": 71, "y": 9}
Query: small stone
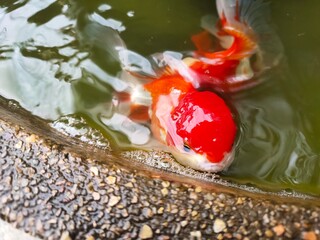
{"x": 198, "y": 189}
{"x": 12, "y": 216}
{"x": 113, "y": 201}
{"x": 183, "y": 213}
{"x": 134, "y": 199}
{"x": 147, "y": 212}
{"x": 237, "y": 236}
{"x": 89, "y": 238}
{"x": 268, "y": 233}
{"x": 53, "y": 161}
{"x": 94, "y": 170}
{"x": 31, "y": 139}
{"x": 258, "y": 232}
{"x": 111, "y": 180}
{"x": 219, "y": 225}
{"x": 160, "y": 210}
{"x": 239, "y": 201}
{"x": 124, "y": 213}
{"x": 194, "y": 213}
{"x": 279, "y": 230}
{"x": 65, "y": 236}
{"x": 164, "y": 191}
{"x": 96, "y": 196}
{"x": 193, "y": 196}
{"x": 174, "y": 211}
{"x": 145, "y": 232}
{"x": 184, "y": 223}
{"x": 18, "y": 145}
{"x": 195, "y": 235}
{"x": 165, "y": 184}
{"x": 24, "y": 182}
{"x": 129, "y": 185}
{"x": 309, "y": 236}
{"x": 126, "y": 225}
{"x": 220, "y": 236}
{"x": 266, "y": 219}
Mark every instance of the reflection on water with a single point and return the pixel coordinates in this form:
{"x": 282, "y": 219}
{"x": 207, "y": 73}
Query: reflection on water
{"x": 56, "y": 61}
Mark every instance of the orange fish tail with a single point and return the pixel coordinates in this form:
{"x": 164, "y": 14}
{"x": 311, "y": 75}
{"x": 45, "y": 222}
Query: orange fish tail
{"x": 243, "y": 29}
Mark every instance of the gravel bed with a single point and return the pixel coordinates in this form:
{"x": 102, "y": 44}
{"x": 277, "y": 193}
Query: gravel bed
{"x": 53, "y": 194}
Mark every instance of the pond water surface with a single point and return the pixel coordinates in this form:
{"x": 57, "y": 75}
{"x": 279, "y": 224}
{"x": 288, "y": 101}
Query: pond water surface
{"x": 56, "y": 62}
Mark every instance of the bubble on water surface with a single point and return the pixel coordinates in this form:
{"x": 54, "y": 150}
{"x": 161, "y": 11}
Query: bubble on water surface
{"x": 78, "y": 128}
{"x": 165, "y": 161}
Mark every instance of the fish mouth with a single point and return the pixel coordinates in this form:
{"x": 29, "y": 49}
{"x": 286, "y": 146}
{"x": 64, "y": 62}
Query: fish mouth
{"x": 200, "y": 161}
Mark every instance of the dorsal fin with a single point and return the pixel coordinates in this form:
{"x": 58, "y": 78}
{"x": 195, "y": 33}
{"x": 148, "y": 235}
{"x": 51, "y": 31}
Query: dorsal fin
{"x": 249, "y": 22}
{"x": 244, "y": 28}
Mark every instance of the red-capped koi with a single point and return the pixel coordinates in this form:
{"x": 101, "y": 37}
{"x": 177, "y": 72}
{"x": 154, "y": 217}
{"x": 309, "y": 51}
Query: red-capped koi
{"x": 197, "y": 126}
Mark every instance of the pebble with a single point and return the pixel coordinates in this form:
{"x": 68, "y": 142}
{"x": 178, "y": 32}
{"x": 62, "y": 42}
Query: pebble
{"x": 111, "y": 180}
{"x": 196, "y": 235}
{"x": 134, "y": 196}
{"x": 183, "y": 213}
{"x": 184, "y": 223}
{"x": 279, "y": 230}
{"x": 134, "y": 199}
{"x": 194, "y": 213}
{"x": 160, "y": 210}
{"x": 95, "y": 171}
{"x": 24, "y": 182}
{"x": 147, "y": 212}
{"x": 18, "y": 145}
{"x": 164, "y": 191}
{"x": 146, "y": 232}
{"x": 268, "y": 233}
{"x": 114, "y": 200}
{"x": 129, "y": 185}
{"x": 96, "y": 196}
{"x": 31, "y": 139}
{"x": 165, "y": 184}
{"x": 193, "y": 196}
{"x": 219, "y": 225}
{"x": 65, "y": 236}
{"x": 309, "y": 236}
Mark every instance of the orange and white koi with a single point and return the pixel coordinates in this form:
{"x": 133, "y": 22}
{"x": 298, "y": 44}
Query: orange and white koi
{"x": 248, "y": 46}
{"x": 196, "y": 124}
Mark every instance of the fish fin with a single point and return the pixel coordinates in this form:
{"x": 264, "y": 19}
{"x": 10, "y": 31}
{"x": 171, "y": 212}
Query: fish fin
{"x": 212, "y": 25}
{"x": 248, "y": 22}
{"x": 139, "y": 113}
{"x": 203, "y": 41}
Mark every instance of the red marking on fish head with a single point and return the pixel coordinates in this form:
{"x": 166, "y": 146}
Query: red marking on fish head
{"x": 206, "y": 125}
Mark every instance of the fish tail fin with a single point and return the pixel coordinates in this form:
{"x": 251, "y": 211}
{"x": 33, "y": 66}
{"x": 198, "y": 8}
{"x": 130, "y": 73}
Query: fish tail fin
{"x": 248, "y": 22}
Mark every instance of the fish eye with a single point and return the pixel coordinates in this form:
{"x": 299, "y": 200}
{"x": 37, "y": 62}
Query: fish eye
{"x": 186, "y": 147}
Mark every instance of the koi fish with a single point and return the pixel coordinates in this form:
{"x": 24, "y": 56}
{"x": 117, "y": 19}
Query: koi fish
{"x": 197, "y": 126}
{"x": 247, "y": 42}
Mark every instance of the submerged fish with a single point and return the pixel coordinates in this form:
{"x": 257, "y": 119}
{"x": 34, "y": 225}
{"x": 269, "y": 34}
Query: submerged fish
{"x": 247, "y": 42}
{"x": 198, "y": 126}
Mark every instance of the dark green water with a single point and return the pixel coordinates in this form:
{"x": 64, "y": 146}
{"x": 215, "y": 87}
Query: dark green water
{"x": 55, "y": 61}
